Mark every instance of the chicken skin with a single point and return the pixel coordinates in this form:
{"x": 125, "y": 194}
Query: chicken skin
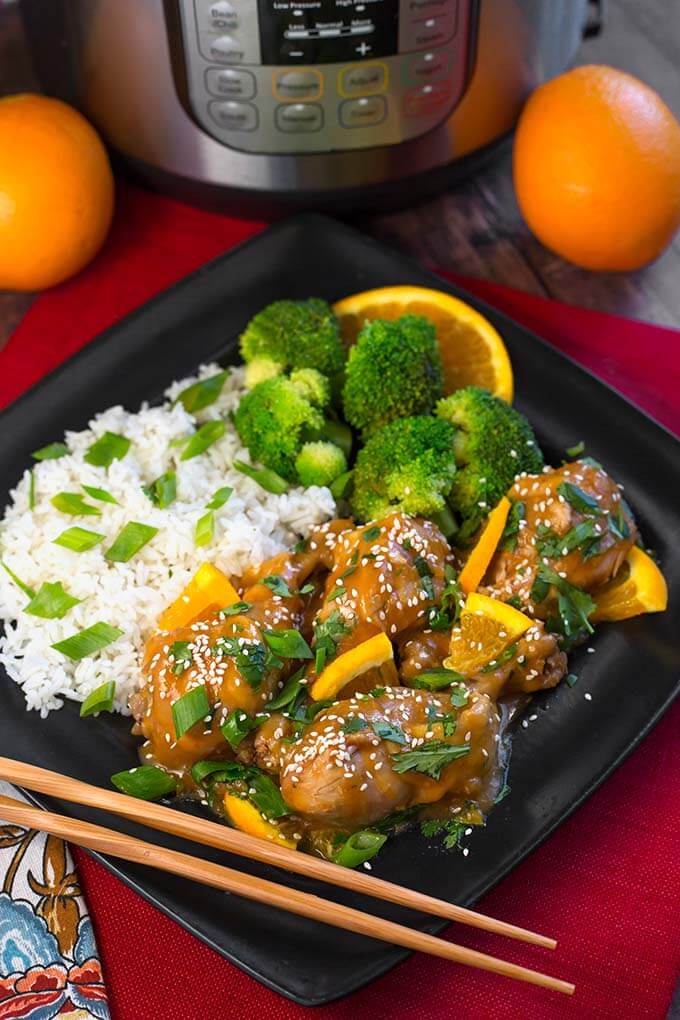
{"x": 346, "y": 770}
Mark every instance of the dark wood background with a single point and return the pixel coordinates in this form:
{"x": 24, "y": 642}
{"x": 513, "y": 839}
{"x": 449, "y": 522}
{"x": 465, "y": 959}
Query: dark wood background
{"x": 475, "y": 227}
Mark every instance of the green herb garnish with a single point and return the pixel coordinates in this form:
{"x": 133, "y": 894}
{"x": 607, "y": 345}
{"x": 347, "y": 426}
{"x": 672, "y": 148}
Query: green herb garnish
{"x": 288, "y": 692}
{"x": 203, "y": 439}
{"x": 133, "y": 537}
{"x": 235, "y": 609}
{"x": 289, "y": 644}
{"x": 505, "y": 789}
{"x": 430, "y": 759}
{"x": 78, "y": 539}
{"x": 99, "y": 700}
{"x": 250, "y": 658}
{"x": 387, "y": 731}
{"x": 202, "y": 393}
{"x": 51, "y": 602}
{"x": 452, "y": 828}
{"x": 425, "y": 575}
{"x": 74, "y": 504}
{"x": 53, "y": 451}
{"x": 436, "y": 679}
{"x": 574, "y": 606}
{"x": 445, "y": 615}
{"x": 147, "y": 782}
{"x": 277, "y": 585}
{"x": 87, "y": 642}
{"x": 237, "y": 726}
{"x": 163, "y": 491}
{"x": 106, "y": 449}
{"x": 17, "y": 580}
{"x": 191, "y": 708}
{"x": 265, "y": 478}
{"x": 182, "y": 656}
{"x": 505, "y": 656}
{"x": 580, "y": 500}
{"x": 220, "y": 498}
{"x": 327, "y": 636}
{"x": 371, "y": 534}
{"x": 360, "y": 847}
{"x": 574, "y": 451}
{"x": 337, "y": 593}
{"x": 101, "y": 494}
{"x": 205, "y": 529}
{"x": 512, "y": 526}
{"x": 571, "y": 679}
{"x": 31, "y": 490}
{"x": 355, "y": 725}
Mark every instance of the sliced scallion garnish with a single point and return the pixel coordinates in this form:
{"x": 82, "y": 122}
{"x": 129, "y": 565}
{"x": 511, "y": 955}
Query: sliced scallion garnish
{"x": 106, "y": 449}
{"x": 51, "y": 602}
{"x": 17, "y": 580}
{"x": 436, "y": 679}
{"x": 87, "y": 642}
{"x": 163, "y": 491}
{"x": 101, "y": 494}
{"x": 129, "y": 541}
{"x": 360, "y": 847}
{"x": 148, "y": 782}
{"x": 191, "y": 708}
{"x": 202, "y": 393}
{"x": 205, "y": 528}
{"x": 237, "y": 726}
{"x": 203, "y": 438}
{"x": 235, "y": 609}
{"x": 31, "y": 490}
{"x": 74, "y": 504}
{"x": 220, "y": 498}
{"x": 53, "y": 451}
{"x": 289, "y": 644}
{"x": 99, "y": 700}
{"x": 276, "y": 584}
{"x": 289, "y": 692}
{"x": 78, "y": 539}
{"x": 265, "y": 478}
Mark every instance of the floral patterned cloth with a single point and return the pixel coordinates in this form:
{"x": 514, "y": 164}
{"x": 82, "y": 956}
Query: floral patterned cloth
{"x": 48, "y": 955}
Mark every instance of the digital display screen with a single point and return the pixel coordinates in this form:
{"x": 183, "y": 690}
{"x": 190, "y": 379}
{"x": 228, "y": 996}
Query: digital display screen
{"x": 327, "y": 31}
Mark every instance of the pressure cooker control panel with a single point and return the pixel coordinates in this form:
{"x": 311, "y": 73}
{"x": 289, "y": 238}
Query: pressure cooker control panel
{"x": 276, "y": 76}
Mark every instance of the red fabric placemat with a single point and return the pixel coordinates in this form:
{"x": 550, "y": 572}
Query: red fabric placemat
{"x": 606, "y": 885}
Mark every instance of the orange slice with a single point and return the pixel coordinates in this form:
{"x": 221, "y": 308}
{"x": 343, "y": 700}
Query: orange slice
{"x": 480, "y": 557}
{"x": 487, "y": 627}
{"x": 369, "y": 654}
{"x": 639, "y": 587}
{"x": 245, "y": 816}
{"x": 471, "y": 349}
{"x": 208, "y": 587}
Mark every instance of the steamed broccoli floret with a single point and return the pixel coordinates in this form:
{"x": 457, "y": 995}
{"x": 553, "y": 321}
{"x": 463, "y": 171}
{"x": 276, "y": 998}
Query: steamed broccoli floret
{"x": 493, "y": 443}
{"x": 407, "y": 465}
{"x": 274, "y": 420}
{"x": 394, "y": 370}
{"x": 320, "y": 463}
{"x": 292, "y": 334}
{"x": 314, "y": 386}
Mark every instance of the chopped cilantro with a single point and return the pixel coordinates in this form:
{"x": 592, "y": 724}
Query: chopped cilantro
{"x": 430, "y": 759}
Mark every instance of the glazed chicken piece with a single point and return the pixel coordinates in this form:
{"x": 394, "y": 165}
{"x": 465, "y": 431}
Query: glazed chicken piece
{"x": 554, "y": 505}
{"x": 422, "y": 650}
{"x": 342, "y": 770}
{"x": 537, "y": 665}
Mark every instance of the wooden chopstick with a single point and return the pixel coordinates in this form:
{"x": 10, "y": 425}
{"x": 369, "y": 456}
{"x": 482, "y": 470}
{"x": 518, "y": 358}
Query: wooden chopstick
{"x": 128, "y": 848}
{"x": 200, "y": 830}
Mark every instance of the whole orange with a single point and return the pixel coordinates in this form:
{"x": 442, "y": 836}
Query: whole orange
{"x": 596, "y": 166}
{"x": 56, "y": 192}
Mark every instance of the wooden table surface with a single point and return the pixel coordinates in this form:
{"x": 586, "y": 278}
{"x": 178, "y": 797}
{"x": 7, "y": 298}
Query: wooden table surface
{"x": 475, "y": 227}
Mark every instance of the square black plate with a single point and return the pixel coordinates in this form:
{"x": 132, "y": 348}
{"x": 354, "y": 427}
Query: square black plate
{"x": 575, "y": 743}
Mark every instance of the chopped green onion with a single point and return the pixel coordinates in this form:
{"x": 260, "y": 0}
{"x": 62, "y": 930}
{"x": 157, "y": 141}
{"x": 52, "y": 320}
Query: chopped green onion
{"x": 574, "y": 451}
{"x": 289, "y": 644}
{"x": 129, "y": 541}
{"x": 203, "y": 439}
{"x": 340, "y": 485}
{"x": 337, "y": 593}
{"x": 182, "y": 657}
{"x": 31, "y": 490}
{"x": 191, "y": 708}
{"x": 371, "y": 534}
{"x": 387, "y": 731}
{"x": 17, "y": 580}
{"x": 266, "y": 795}
{"x": 276, "y": 584}
{"x": 87, "y": 642}
{"x": 205, "y": 529}
{"x": 51, "y": 602}
{"x": 78, "y": 539}
{"x": 355, "y": 725}
{"x": 101, "y": 494}
{"x": 106, "y": 449}
{"x": 220, "y": 498}
{"x": 100, "y": 700}
{"x": 360, "y": 847}
{"x": 505, "y": 789}
{"x": 203, "y": 393}
{"x": 436, "y": 679}
{"x": 266, "y": 479}
{"x": 74, "y": 504}
{"x": 571, "y": 679}
{"x": 147, "y": 782}
{"x": 230, "y": 770}
{"x": 163, "y": 491}
{"x": 289, "y": 692}
{"x": 580, "y": 500}
{"x": 235, "y": 609}
{"x": 53, "y": 451}
{"x": 237, "y": 726}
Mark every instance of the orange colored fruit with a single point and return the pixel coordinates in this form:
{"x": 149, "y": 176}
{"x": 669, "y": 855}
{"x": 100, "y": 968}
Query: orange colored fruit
{"x": 639, "y": 587}
{"x": 486, "y": 628}
{"x": 482, "y": 554}
{"x": 597, "y": 168}
{"x": 56, "y": 192}
{"x": 472, "y": 351}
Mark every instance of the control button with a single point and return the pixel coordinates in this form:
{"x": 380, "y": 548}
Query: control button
{"x": 229, "y": 82}
{"x": 298, "y": 85}
{"x": 426, "y": 98}
{"x": 226, "y": 50}
{"x": 299, "y": 118}
{"x": 423, "y": 8}
{"x": 365, "y": 112}
{"x": 432, "y": 32}
{"x": 234, "y": 116}
{"x": 428, "y": 67}
{"x": 363, "y": 80}
{"x": 223, "y": 15}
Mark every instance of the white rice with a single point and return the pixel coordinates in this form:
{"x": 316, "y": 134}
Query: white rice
{"x": 250, "y": 527}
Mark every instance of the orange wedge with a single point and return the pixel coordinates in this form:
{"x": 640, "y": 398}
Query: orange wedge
{"x": 639, "y": 587}
{"x": 208, "y": 587}
{"x": 486, "y": 628}
{"x": 369, "y": 654}
{"x": 245, "y": 816}
{"x": 480, "y": 557}
{"x": 471, "y": 349}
